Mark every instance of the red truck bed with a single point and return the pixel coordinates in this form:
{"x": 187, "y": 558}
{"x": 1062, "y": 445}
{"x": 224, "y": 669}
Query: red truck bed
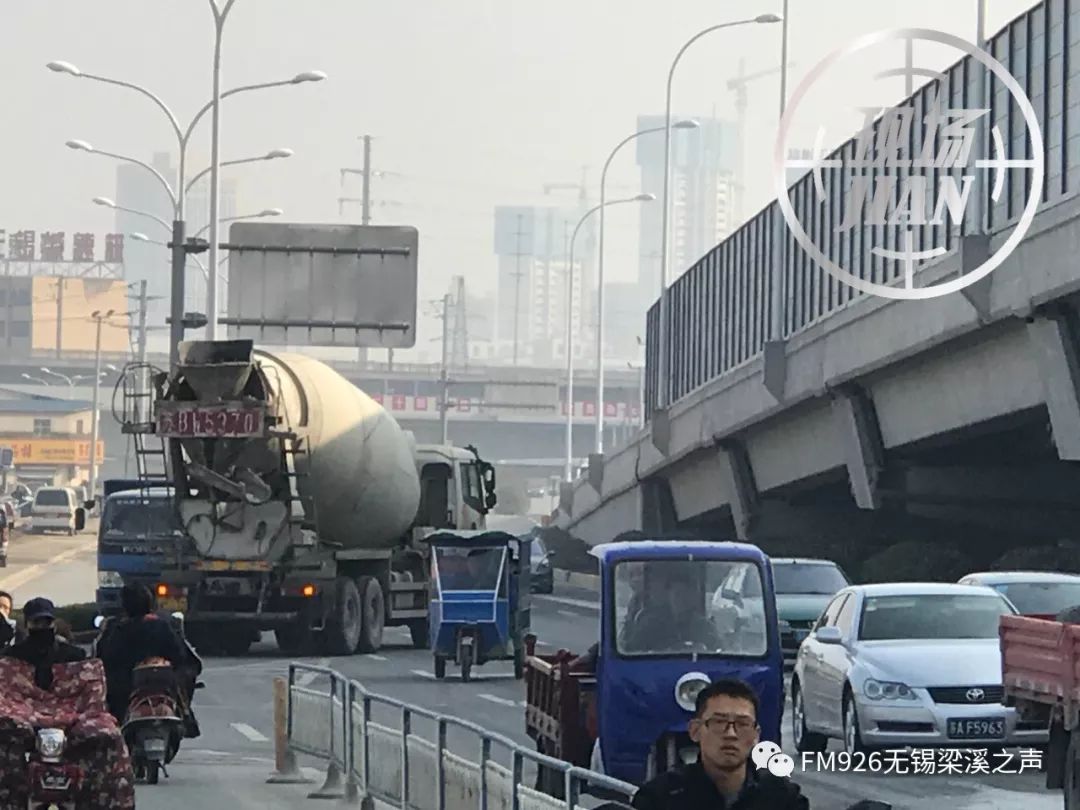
{"x": 560, "y": 710}
{"x": 1040, "y": 661}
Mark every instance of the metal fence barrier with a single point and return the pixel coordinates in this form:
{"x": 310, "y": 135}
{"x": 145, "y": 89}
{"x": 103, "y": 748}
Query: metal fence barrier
{"x": 329, "y": 717}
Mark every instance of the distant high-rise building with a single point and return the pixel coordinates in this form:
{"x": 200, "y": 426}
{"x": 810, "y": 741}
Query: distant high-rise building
{"x": 139, "y": 190}
{"x": 702, "y": 191}
{"x": 532, "y": 245}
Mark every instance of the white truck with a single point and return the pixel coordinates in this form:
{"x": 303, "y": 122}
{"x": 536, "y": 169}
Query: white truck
{"x": 303, "y": 503}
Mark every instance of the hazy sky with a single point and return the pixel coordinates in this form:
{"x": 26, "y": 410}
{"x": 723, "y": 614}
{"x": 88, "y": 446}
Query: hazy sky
{"x": 477, "y": 103}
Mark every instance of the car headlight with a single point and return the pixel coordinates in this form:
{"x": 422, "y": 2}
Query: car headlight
{"x": 887, "y": 690}
{"x": 110, "y": 579}
{"x": 50, "y": 742}
{"x": 688, "y": 687}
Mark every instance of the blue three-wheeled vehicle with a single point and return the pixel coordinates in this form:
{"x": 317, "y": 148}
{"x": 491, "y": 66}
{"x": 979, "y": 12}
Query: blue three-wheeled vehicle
{"x": 479, "y": 609}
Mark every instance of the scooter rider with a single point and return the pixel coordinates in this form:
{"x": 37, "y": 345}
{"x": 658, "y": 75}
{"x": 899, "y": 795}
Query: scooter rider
{"x": 140, "y": 635}
{"x": 42, "y": 648}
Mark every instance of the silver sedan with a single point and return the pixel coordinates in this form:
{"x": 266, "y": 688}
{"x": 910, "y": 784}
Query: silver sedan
{"x": 896, "y": 665}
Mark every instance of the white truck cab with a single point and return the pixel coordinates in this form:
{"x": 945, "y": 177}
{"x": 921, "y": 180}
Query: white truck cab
{"x": 457, "y": 488}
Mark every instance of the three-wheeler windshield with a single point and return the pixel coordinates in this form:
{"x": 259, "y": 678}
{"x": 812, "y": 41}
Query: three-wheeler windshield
{"x": 469, "y": 569}
{"x": 678, "y": 607}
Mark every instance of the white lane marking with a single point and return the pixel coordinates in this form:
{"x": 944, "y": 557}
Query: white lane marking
{"x": 429, "y": 675}
{"x": 30, "y": 573}
{"x": 565, "y": 600}
{"x": 247, "y": 731}
{"x": 374, "y": 657}
{"x": 306, "y": 678}
{"x": 499, "y": 700}
{"x": 569, "y": 613}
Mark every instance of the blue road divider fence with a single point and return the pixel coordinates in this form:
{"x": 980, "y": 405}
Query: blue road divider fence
{"x": 381, "y": 751}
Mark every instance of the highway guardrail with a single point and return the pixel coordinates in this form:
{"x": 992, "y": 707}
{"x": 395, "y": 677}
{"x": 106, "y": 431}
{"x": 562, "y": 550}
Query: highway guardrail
{"x": 377, "y": 753}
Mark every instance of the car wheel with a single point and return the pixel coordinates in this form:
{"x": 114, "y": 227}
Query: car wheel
{"x": 853, "y": 743}
{"x": 806, "y": 741}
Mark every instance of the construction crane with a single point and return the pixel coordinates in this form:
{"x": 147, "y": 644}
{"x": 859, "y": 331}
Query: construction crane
{"x": 738, "y": 86}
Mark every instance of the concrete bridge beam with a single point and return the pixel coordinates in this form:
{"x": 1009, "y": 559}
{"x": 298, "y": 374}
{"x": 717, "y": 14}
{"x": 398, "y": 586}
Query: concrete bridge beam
{"x": 1053, "y": 338}
{"x": 864, "y": 453}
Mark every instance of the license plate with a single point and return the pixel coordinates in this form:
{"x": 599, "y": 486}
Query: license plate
{"x": 173, "y": 604}
{"x": 211, "y": 421}
{"x": 975, "y": 728}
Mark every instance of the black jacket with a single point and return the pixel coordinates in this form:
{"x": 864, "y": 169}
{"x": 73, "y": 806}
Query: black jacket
{"x": 125, "y": 645}
{"x": 691, "y": 789}
{"x": 9, "y": 634}
{"x": 42, "y": 659}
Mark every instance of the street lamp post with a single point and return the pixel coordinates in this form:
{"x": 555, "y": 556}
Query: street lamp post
{"x": 221, "y": 13}
{"x": 183, "y": 137}
{"x": 569, "y": 470}
{"x": 41, "y": 380}
{"x": 64, "y": 377}
{"x": 687, "y": 124}
{"x": 662, "y": 359}
{"x": 99, "y": 317}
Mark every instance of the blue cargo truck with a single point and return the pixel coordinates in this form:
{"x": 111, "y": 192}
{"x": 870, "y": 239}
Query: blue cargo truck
{"x": 138, "y": 537}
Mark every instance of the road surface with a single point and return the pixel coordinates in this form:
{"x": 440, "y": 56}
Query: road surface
{"x": 229, "y": 764}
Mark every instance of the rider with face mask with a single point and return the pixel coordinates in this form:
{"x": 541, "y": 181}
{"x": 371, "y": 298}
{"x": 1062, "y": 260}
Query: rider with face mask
{"x": 42, "y": 648}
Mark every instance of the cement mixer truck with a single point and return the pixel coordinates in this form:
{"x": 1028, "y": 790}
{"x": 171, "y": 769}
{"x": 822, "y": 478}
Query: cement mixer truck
{"x": 303, "y": 504}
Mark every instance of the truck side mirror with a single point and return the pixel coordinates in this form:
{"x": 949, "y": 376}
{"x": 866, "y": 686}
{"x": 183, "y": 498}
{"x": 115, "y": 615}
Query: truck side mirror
{"x": 80, "y": 519}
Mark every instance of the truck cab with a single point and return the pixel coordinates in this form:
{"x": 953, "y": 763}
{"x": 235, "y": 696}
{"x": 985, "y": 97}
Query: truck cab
{"x": 457, "y": 488}
{"x": 138, "y": 535}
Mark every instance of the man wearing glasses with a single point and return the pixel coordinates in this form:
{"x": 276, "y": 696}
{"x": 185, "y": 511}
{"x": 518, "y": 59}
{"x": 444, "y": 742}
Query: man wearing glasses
{"x": 725, "y": 728}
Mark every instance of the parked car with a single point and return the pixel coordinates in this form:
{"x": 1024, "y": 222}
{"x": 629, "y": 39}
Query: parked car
{"x": 54, "y": 510}
{"x": 543, "y": 572}
{"x": 1039, "y": 594}
{"x": 903, "y": 664}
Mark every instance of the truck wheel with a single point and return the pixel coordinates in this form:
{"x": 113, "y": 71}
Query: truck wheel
{"x": 292, "y": 640}
{"x": 343, "y": 629}
{"x": 373, "y": 613}
{"x": 466, "y": 663}
{"x": 419, "y": 633}
{"x": 236, "y": 644}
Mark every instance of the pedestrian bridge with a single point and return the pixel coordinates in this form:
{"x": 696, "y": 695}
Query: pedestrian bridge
{"x": 863, "y": 416}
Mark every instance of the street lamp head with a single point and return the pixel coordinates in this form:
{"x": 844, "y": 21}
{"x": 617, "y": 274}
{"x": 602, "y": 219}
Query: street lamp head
{"x": 309, "y": 76}
{"x": 139, "y": 237}
{"x": 768, "y": 18}
{"x": 64, "y": 67}
{"x": 271, "y": 212}
{"x": 80, "y": 146}
{"x": 688, "y": 123}
{"x": 645, "y": 197}
{"x": 274, "y": 154}
{"x": 47, "y": 371}
{"x": 105, "y": 201}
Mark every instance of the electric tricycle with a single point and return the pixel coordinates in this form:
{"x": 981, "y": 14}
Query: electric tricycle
{"x": 666, "y": 632}
{"x": 479, "y": 608}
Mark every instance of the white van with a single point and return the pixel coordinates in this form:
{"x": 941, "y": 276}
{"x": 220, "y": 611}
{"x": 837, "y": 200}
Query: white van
{"x": 53, "y": 509}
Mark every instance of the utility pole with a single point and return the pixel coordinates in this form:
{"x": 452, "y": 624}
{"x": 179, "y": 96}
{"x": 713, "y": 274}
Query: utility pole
{"x": 444, "y": 374}
{"x": 517, "y": 287}
{"x": 143, "y": 302}
{"x": 59, "y": 316}
{"x": 99, "y": 317}
{"x": 365, "y": 215}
